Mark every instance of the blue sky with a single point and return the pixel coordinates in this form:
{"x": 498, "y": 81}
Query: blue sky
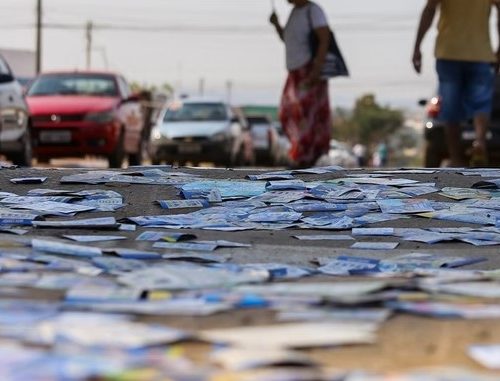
{"x": 222, "y": 40}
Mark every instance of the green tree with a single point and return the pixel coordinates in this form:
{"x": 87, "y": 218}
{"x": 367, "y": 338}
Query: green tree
{"x": 373, "y": 121}
{"x": 368, "y": 122}
{"x": 164, "y": 88}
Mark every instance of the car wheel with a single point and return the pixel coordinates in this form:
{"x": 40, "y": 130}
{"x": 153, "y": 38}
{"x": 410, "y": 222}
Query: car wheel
{"x": 272, "y": 160}
{"x": 42, "y": 160}
{"x": 434, "y": 154}
{"x": 242, "y": 160}
{"x": 115, "y": 160}
{"x": 24, "y": 157}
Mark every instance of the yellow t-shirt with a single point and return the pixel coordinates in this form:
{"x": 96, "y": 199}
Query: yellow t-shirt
{"x": 464, "y": 31}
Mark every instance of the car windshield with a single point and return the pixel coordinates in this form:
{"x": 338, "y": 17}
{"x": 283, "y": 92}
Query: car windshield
{"x": 196, "y": 112}
{"x": 4, "y": 69}
{"x": 74, "y": 84}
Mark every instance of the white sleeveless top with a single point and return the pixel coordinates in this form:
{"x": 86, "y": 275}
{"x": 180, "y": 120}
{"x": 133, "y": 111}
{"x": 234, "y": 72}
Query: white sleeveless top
{"x": 296, "y": 34}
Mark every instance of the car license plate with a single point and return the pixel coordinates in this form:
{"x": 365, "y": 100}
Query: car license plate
{"x": 189, "y": 148}
{"x": 55, "y": 136}
{"x": 471, "y": 135}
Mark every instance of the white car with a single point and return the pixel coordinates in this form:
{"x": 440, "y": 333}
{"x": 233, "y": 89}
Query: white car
{"x": 339, "y": 154}
{"x": 15, "y": 138}
{"x": 199, "y": 130}
{"x": 265, "y": 139}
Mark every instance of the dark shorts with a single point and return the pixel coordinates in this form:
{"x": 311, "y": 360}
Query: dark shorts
{"x": 465, "y": 88}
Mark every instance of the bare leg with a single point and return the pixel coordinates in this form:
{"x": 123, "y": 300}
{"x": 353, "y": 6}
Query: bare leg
{"x": 479, "y": 150}
{"x": 481, "y": 127}
{"x": 453, "y": 132}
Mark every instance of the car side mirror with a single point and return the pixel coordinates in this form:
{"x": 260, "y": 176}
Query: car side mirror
{"x": 6, "y": 78}
{"x": 422, "y": 102}
{"x": 132, "y": 98}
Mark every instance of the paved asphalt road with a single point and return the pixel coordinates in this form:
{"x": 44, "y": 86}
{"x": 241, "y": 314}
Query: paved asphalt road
{"x": 270, "y": 245}
{"x": 404, "y": 342}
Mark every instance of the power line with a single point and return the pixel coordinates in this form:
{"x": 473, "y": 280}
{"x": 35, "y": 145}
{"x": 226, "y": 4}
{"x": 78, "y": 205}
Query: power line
{"x": 201, "y": 29}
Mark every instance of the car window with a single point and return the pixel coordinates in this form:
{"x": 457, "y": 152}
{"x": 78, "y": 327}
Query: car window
{"x": 124, "y": 87}
{"x": 4, "y": 68}
{"x": 71, "y": 84}
{"x": 196, "y": 112}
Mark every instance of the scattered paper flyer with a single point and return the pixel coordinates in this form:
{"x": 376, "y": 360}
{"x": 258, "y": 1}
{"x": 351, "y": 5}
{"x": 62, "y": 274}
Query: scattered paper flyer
{"x": 324, "y": 237}
{"x": 486, "y": 355}
{"x": 300, "y": 335}
{"x": 183, "y": 204}
{"x": 94, "y": 238}
{"x": 375, "y": 245}
{"x": 249, "y": 358}
{"x": 28, "y": 180}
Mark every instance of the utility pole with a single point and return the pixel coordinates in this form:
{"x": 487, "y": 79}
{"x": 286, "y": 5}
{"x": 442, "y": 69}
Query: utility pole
{"x": 202, "y": 87}
{"x": 39, "y": 36}
{"x": 229, "y": 90}
{"x": 88, "y": 35}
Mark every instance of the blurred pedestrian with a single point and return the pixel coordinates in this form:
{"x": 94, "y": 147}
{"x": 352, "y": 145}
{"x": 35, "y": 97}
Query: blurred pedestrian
{"x": 382, "y": 154}
{"x": 305, "y": 105}
{"x": 360, "y": 152}
{"x": 466, "y": 66}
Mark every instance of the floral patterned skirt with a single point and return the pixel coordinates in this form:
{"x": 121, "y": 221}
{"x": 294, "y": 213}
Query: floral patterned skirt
{"x": 306, "y": 118}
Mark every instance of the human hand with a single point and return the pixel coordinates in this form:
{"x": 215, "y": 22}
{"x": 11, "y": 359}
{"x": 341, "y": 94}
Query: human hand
{"x": 417, "y": 60}
{"x": 274, "y": 19}
{"x": 313, "y": 78}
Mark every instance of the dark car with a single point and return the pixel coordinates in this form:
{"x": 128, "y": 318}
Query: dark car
{"x": 436, "y": 149}
{"x": 86, "y": 113}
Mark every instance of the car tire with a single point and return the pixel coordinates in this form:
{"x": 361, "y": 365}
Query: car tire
{"x": 24, "y": 157}
{"x": 230, "y": 162}
{"x": 271, "y": 159}
{"x": 43, "y": 160}
{"x": 434, "y": 154}
{"x": 115, "y": 160}
{"x": 242, "y": 161}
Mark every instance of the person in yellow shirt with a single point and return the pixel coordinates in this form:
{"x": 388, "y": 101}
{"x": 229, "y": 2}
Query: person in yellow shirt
{"x": 466, "y": 66}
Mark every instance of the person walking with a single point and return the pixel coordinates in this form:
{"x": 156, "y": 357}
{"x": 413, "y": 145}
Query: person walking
{"x": 466, "y": 66}
{"x": 305, "y": 105}
{"x": 360, "y": 152}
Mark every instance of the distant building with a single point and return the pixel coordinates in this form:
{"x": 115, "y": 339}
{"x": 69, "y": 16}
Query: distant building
{"x": 22, "y": 62}
{"x": 270, "y": 111}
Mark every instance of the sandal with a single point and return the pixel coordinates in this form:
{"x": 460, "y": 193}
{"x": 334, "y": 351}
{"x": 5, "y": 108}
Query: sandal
{"x": 479, "y": 155}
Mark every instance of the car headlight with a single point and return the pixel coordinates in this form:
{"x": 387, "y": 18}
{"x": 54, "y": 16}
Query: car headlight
{"x": 100, "y": 117}
{"x": 220, "y": 137}
{"x": 156, "y": 133}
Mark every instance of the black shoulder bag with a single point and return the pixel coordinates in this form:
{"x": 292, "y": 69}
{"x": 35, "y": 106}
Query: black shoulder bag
{"x": 334, "y": 65}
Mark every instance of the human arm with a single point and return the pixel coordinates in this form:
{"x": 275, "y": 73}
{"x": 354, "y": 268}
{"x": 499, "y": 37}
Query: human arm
{"x": 426, "y": 20}
{"x": 496, "y": 4}
{"x": 323, "y": 37}
{"x": 275, "y": 21}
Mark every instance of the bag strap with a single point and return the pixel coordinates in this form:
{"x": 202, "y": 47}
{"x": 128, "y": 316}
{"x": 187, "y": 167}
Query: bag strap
{"x": 309, "y": 17}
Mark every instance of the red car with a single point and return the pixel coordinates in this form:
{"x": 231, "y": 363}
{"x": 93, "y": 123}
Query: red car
{"x": 86, "y": 113}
